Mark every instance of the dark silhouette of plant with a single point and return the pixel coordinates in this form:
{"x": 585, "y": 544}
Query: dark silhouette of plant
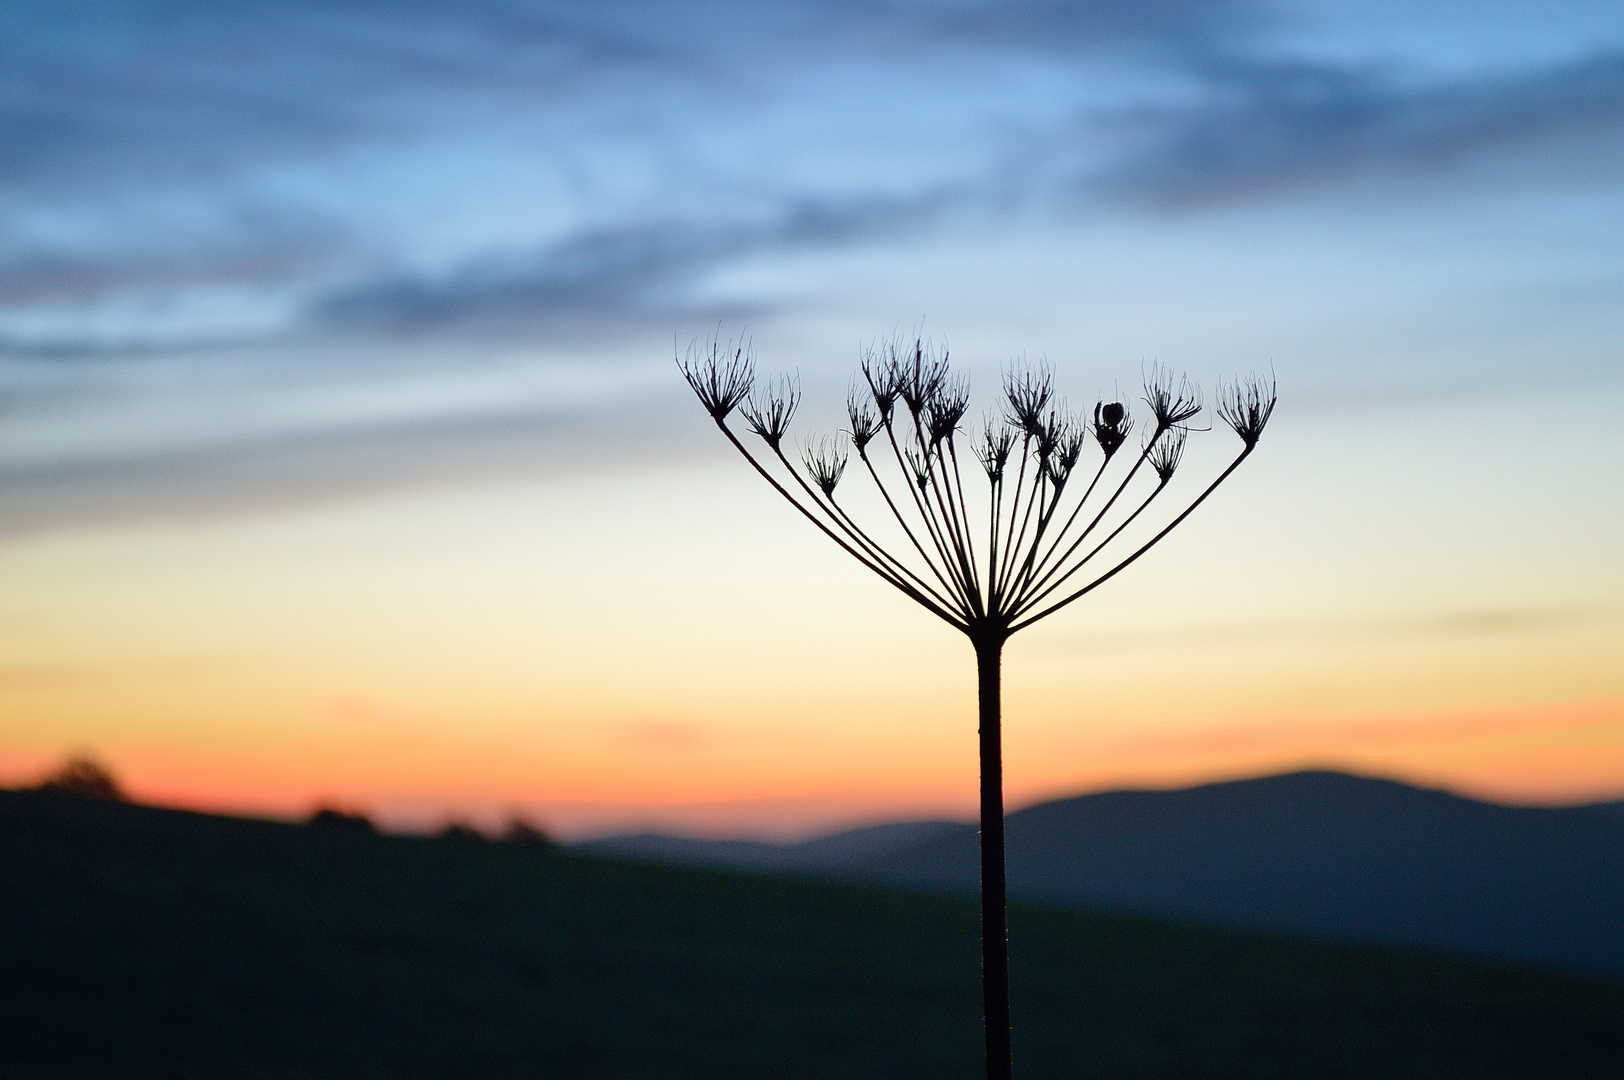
{"x": 522, "y": 833}
{"x": 461, "y": 832}
{"x": 331, "y": 817}
{"x": 83, "y": 776}
{"x": 1039, "y": 536}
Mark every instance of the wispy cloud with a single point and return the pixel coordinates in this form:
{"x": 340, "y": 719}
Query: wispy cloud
{"x": 251, "y": 251}
{"x": 613, "y": 274}
{"x": 271, "y": 469}
{"x": 271, "y": 190}
{"x": 1281, "y": 128}
{"x": 98, "y": 94}
{"x": 229, "y": 109}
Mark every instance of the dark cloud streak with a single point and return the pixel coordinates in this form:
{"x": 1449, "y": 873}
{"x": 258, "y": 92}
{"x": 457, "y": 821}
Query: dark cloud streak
{"x": 272, "y": 472}
{"x": 100, "y": 93}
{"x": 1277, "y": 129}
{"x": 92, "y": 93}
{"x": 618, "y": 273}
{"x": 256, "y": 248}
{"x": 1188, "y": 27}
{"x": 1285, "y": 129}
{"x": 100, "y": 100}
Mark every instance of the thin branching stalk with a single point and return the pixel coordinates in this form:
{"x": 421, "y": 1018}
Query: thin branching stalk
{"x": 1027, "y": 603}
{"x": 1144, "y": 456}
{"x": 1028, "y": 561}
{"x": 1131, "y": 559}
{"x": 1000, "y": 578}
{"x": 907, "y": 531}
{"x": 907, "y": 589}
{"x": 926, "y": 514}
{"x": 1059, "y": 537}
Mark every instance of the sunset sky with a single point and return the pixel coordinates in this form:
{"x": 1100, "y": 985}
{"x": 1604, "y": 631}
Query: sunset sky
{"x": 343, "y": 457}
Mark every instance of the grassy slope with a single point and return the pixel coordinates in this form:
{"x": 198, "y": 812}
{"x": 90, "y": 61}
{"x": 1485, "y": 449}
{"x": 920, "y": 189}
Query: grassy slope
{"x": 144, "y": 942}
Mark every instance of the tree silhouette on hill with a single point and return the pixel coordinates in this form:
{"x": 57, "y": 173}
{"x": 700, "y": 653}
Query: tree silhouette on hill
{"x": 83, "y": 776}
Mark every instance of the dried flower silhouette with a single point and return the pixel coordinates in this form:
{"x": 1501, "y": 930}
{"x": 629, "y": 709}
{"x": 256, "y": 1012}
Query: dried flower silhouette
{"x": 1035, "y": 538}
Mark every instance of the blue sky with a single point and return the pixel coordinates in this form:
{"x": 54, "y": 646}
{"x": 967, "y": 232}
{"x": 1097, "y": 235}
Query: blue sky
{"x": 256, "y": 232}
{"x": 336, "y": 340}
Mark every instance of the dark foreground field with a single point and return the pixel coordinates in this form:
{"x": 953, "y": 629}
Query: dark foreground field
{"x": 145, "y": 942}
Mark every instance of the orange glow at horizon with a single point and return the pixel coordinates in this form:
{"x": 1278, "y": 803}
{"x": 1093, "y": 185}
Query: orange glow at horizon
{"x": 531, "y": 645}
{"x": 1546, "y": 755}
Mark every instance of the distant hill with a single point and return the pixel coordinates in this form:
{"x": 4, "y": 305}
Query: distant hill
{"x": 138, "y": 942}
{"x": 1323, "y": 853}
{"x": 1611, "y": 810}
{"x": 855, "y": 852}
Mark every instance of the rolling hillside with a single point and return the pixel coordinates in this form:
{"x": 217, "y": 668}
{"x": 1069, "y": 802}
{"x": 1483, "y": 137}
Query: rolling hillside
{"x": 1321, "y": 853}
{"x": 141, "y": 942}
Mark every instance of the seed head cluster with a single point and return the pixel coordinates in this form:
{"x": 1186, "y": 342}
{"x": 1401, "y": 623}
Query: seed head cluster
{"x": 1027, "y": 543}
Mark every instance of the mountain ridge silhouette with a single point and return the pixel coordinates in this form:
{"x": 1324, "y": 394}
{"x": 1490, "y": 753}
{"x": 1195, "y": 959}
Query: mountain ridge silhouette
{"x": 1319, "y": 852}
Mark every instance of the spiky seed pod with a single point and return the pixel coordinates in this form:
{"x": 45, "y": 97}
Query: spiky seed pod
{"x": 1111, "y": 426}
{"x": 1172, "y": 399}
{"x": 1048, "y": 437}
{"x": 945, "y": 409}
{"x": 922, "y": 375}
{"x": 769, "y": 413}
{"x": 1167, "y": 451}
{"x": 1028, "y": 391}
{"x": 1058, "y": 448}
{"x": 1246, "y": 405}
{"x": 825, "y": 463}
{"x": 721, "y": 379}
{"x": 883, "y": 376}
{"x": 994, "y": 449}
{"x": 1068, "y": 448}
{"x": 919, "y": 466}
{"x": 956, "y": 397}
{"x": 864, "y": 424}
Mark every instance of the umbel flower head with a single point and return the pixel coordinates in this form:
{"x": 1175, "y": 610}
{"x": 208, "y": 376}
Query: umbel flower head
{"x": 825, "y": 463}
{"x": 919, "y": 376}
{"x": 1165, "y": 455}
{"x": 1111, "y": 426}
{"x": 884, "y": 377}
{"x": 768, "y": 410}
{"x": 988, "y": 561}
{"x": 721, "y": 379}
{"x": 996, "y": 444}
{"x": 1067, "y": 438}
{"x": 1246, "y": 405}
{"x": 1173, "y": 399}
{"x": 860, "y": 415}
{"x": 1028, "y": 390}
{"x": 944, "y": 409}
{"x": 995, "y": 560}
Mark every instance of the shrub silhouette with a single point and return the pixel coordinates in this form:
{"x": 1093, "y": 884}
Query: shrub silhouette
{"x": 461, "y": 832}
{"x": 991, "y": 565}
{"x": 523, "y": 834}
{"x": 329, "y": 817}
{"x": 84, "y": 777}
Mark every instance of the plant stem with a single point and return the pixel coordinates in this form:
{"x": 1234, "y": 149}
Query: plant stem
{"x": 994, "y": 923}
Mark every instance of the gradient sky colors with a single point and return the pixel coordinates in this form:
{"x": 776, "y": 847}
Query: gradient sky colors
{"x": 342, "y": 456}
